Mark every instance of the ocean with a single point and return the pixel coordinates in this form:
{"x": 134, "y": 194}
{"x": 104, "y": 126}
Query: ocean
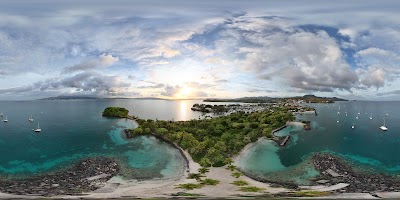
{"x": 74, "y": 129}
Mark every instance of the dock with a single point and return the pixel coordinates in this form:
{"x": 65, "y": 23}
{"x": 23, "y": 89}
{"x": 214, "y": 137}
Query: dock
{"x": 283, "y": 143}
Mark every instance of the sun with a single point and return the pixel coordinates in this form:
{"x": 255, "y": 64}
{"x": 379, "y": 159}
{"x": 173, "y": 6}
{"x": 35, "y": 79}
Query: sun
{"x": 184, "y": 92}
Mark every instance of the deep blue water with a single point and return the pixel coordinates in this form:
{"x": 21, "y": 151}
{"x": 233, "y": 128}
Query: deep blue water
{"x": 366, "y": 145}
{"x": 75, "y": 129}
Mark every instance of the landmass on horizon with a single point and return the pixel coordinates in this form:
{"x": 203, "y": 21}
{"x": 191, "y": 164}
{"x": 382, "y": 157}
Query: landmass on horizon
{"x": 306, "y": 98}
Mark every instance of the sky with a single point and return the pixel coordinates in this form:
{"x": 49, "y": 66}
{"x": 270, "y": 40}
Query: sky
{"x": 180, "y": 49}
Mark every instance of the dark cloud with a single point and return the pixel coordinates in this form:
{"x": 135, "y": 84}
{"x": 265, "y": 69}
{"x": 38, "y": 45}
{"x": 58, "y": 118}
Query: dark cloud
{"x": 159, "y": 85}
{"x": 393, "y": 92}
{"x": 83, "y": 82}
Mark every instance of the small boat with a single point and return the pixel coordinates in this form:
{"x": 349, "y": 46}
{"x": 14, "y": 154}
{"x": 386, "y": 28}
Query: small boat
{"x": 370, "y": 117}
{"x": 357, "y": 117}
{"x": 352, "y": 126}
{"x": 5, "y": 120}
{"x": 1, "y": 114}
{"x": 383, "y": 127}
{"x": 38, "y": 129}
{"x": 30, "y": 119}
{"x": 387, "y": 114}
{"x": 338, "y": 113}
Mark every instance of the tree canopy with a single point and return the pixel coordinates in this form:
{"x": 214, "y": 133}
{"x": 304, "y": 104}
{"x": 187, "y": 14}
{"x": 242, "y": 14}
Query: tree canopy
{"x": 212, "y": 142}
{"x": 115, "y": 112}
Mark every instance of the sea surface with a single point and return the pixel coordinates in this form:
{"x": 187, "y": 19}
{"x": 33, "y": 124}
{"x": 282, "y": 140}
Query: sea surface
{"x": 75, "y": 129}
{"x": 366, "y": 146}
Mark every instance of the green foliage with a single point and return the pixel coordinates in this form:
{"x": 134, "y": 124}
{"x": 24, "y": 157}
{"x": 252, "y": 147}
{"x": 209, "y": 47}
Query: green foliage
{"x": 251, "y": 189}
{"x": 115, "y": 112}
{"x": 240, "y": 183}
{"x": 196, "y": 176}
{"x": 209, "y": 181}
{"x": 236, "y": 174}
{"x": 190, "y": 186}
{"x": 231, "y": 167}
{"x": 203, "y": 170}
{"x": 213, "y": 142}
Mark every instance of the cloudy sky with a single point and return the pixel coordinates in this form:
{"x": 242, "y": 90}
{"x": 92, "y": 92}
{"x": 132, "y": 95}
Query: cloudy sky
{"x": 200, "y": 49}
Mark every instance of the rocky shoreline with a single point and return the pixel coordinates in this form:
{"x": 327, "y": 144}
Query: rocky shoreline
{"x": 334, "y": 170}
{"x": 88, "y": 175}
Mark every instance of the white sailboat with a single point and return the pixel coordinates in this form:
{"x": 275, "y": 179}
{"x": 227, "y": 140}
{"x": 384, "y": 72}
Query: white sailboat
{"x": 6, "y": 119}
{"x": 357, "y": 117}
{"x": 30, "y": 119}
{"x": 370, "y": 117}
{"x": 352, "y": 126}
{"x": 359, "y": 111}
{"x": 383, "y": 127}
{"x": 38, "y": 129}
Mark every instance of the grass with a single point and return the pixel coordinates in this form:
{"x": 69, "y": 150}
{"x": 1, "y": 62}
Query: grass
{"x": 231, "y": 167}
{"x": 308, "y": 193}
{"x": 236, "y": 174}
{"x": 251, "y": 189}
{"x": 240, "y": 183}
{"x": 196, "y": 176}
{"x": 203, "y": 170}
{"x": 189, "y": 186}
{"x": 209, "y": 181}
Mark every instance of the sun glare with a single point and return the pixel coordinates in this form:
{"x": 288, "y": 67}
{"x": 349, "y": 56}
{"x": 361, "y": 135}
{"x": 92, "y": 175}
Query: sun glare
{"x": 185, "y": 92}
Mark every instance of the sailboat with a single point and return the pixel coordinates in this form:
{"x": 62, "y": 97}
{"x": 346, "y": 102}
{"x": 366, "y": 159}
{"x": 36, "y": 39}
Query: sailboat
{"x": 383, "y": 127}
{"x": 5, "y": 120}
{"x": 30, "y": 119}
{"x": 370, "y": 117}
{"x": 359, "y": 111}
{"x": 38, "y": 129}
{"x": 357, "y": 117}
{"x": 352, "y": 126}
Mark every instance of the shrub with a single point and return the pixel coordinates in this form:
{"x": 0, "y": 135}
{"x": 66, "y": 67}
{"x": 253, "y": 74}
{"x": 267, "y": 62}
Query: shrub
{"x": 209, "y": 181}
{"x": 240, "y": 183}
{"x": 236, "y": 174}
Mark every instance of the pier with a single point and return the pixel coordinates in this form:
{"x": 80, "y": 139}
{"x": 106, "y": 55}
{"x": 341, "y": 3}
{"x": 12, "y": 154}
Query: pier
{"x": 283, "y": 143}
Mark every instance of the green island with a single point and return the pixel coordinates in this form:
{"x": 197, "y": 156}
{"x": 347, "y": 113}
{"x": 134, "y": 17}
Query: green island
{"x": 213, "y": 142}
{"x": 115, "y": 112}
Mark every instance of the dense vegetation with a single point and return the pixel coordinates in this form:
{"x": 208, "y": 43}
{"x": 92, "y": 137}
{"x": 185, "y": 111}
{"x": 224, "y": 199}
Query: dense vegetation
{"x": 115, "y": 112}
{"x": 205, "y": 108}
{"x": 315, "y": 99}
{"x": 212, "y": 142}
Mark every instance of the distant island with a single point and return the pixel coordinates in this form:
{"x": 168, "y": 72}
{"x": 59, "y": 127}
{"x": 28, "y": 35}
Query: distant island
{"x": 305, "y": 98}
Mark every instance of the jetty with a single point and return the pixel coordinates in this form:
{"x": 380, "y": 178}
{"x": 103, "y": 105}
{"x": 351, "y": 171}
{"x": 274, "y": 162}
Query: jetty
{"x": 283, "y": 143}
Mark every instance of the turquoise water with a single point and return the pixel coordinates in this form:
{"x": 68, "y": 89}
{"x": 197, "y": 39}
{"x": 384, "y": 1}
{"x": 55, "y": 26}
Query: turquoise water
{"x": 366, "y": 145}
{"x": 75, "y": 129}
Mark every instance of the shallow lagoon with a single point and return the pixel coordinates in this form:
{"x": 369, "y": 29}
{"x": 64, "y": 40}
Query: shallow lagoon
{"x": 366, "y": 146}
